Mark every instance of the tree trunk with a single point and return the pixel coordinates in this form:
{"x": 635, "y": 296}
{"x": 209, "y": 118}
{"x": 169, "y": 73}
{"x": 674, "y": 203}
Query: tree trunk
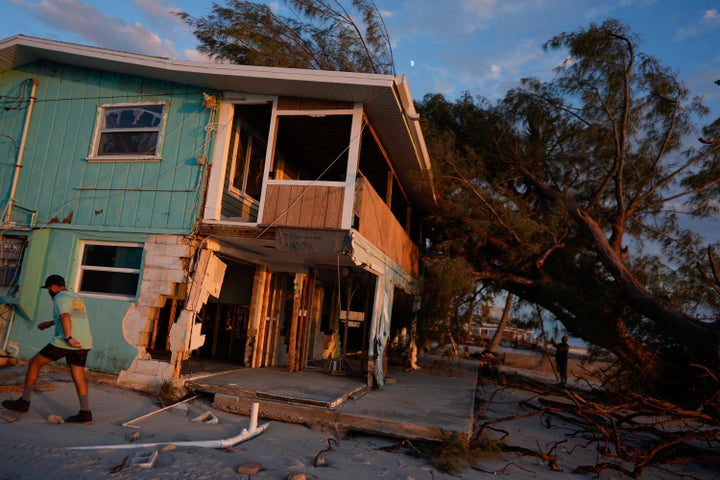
{"x": 495, "y": 342}
{"x": 703, "y": 337}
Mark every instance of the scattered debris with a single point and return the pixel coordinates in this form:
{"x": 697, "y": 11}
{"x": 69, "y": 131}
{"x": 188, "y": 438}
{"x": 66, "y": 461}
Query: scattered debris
{"x": 41, "y": 387}
{"x": 57, "y": 419}
{"x": 171, "y": 393}
{"x": 252, "y": 431}
{"x": 144, "y": 459}
{"x": 249, "y": 468}
{"x": 119, "y": 467}
{"x": 206, "y": 418}
{"x": 317, "y": 461}
{"x": 130, "y": 422}
{"x": 8, "y": 417}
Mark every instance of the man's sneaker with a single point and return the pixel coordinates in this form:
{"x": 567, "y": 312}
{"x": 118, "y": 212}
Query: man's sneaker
{"x": 18, "y": 405}
{"x": 83, "y": 416}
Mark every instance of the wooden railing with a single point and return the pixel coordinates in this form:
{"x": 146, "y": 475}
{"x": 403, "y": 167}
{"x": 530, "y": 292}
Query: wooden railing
{"x": 320, "y": 206}
{"x": 380, "y": 227}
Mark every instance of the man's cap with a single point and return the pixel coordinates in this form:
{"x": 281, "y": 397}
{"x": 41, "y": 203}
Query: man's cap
{"x": 54, "y": 280}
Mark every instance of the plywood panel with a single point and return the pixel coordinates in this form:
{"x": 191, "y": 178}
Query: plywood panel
{"x": 379, "y": 226}
{"x": 303, "y": 206}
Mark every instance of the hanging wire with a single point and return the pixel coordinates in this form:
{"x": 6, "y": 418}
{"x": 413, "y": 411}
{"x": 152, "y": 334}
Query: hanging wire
{"x": 311, "y": 184}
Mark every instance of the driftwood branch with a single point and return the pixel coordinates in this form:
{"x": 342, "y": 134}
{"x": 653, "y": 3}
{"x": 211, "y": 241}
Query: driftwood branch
{"x": 631, "y": 433}
{"x": 317, "y": 460}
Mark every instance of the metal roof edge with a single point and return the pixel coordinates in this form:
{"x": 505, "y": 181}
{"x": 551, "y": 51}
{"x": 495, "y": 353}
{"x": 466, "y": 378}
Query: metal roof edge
{"x": 412, "y": 119}
{"x": 204, "y": 68}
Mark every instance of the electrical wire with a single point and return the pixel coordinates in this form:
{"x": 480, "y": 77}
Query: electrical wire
{"x": 312, "y": 183}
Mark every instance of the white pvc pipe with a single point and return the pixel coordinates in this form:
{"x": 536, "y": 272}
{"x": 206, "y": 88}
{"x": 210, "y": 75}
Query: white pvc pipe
{"x": 21, "y": 151}
{"x": 225, "y": 443}
{"x": 246, "y": 434}
{"x": 129, "y": 422}
{"x": 254, "y": 408}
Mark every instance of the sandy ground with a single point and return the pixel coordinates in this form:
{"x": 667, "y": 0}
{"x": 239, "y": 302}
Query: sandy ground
{"x": 32, "y": 447}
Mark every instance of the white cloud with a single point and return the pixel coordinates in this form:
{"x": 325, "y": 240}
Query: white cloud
{"x": 709, "y": 21}
{"x": 196, "y": 56}
{"x": 159, "y": 15}
{"x": 83, "y": 20}
{"x": 711, "y": 16}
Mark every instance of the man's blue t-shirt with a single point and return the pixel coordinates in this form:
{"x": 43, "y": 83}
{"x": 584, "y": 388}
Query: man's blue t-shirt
{"x": 70, "y": 302}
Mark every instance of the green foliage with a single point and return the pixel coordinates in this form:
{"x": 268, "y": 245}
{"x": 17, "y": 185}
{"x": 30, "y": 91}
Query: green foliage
{"x": 318, "y": 34}
{"x": 448, "y": 287}
{"x": 456, "y": 453}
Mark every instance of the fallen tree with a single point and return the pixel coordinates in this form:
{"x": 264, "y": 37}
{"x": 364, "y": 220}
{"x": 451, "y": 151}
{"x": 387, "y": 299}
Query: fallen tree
{"x": 567, "y": 194}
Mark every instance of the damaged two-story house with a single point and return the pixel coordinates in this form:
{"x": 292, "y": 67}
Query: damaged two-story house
{"x": 256, "y": 216}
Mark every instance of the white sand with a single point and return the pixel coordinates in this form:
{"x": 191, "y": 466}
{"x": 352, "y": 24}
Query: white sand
{"x": 32, "y": 448}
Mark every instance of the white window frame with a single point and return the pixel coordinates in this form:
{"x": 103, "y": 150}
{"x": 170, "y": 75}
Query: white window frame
{"x": 83, "y": 268}
{"x": 99, "y": 131}
{"x": 254, "y": 138}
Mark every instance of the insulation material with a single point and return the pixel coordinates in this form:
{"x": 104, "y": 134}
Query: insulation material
{"x": 382, "y": 326}
{"x": 207, "y": 282}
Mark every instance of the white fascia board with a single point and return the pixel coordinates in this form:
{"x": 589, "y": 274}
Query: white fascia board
{"x": 209, "y": 68}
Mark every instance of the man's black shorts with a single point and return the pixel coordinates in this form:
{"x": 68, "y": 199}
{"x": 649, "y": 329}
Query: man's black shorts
{"x": 72, "y": 357}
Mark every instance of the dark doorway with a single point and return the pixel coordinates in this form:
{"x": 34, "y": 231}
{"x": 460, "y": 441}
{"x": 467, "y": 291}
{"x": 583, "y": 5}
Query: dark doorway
{"x": 225, "y": 328}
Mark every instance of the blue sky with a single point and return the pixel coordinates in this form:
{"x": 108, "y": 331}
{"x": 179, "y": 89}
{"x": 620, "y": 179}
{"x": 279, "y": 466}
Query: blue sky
{"x": 453, "y": 46}
{"x": 449, "y": 47}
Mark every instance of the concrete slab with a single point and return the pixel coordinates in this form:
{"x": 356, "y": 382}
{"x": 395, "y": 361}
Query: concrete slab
{"x": 431, "y": 403}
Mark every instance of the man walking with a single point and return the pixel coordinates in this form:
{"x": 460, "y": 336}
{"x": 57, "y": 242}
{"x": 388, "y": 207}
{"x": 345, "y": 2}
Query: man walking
{"x": 72, "y": 340}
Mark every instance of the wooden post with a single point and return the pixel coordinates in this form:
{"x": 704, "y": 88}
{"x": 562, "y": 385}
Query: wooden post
{"x": 293, "y": 340}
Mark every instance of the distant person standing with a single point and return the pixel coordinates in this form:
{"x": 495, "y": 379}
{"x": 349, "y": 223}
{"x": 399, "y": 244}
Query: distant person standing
{"x": 72, "y": 340}
{"x": 562, "y": 351}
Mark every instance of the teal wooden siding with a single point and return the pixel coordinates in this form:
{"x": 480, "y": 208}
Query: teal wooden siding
{"x": 57, "y": 251}
{"x": 64, "y": 188}
{"x": 14, "y": 93}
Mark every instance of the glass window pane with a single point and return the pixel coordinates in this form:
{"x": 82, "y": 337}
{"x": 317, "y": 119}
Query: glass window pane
{"x": 114, "y": 256}
{"x": 145, "y": 116}
{"x": 123, "y": 143}
{"x": 243, "y": 140}
{"x": 109, "y": 282}
{"x": 256, "y": 169}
